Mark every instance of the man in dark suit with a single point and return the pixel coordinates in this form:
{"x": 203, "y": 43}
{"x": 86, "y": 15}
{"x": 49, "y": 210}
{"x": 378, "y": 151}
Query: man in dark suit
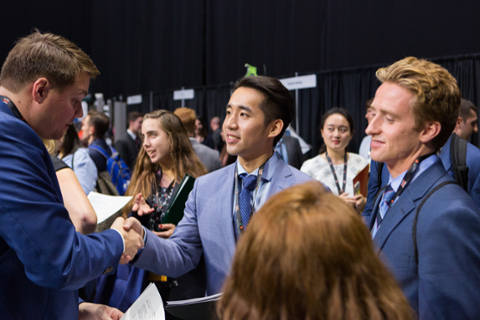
{"x": 130, "y": 143}
{"x": 43, "y": 260}
{"x": 433, "y": 250}
{"x": 210, "y": 158}
{"x": 258, "y": 113}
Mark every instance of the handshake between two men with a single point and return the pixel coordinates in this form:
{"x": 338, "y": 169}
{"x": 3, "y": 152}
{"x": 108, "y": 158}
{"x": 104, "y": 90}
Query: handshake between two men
{"x": 132, "y": 233}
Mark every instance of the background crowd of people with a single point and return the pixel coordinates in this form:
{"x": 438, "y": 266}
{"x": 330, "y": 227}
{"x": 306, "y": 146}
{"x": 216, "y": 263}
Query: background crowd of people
{"x": 277, "y": 243}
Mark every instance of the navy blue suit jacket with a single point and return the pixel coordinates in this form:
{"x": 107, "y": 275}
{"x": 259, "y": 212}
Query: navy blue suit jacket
{"x": 473, "y": 164}
{"x": 445, "y": 282}
{"x": 207, "y": 227}
{"x": 43, "y": 261}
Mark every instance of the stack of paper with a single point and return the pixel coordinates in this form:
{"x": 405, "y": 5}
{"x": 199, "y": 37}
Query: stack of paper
{"x": 148, "y": 306}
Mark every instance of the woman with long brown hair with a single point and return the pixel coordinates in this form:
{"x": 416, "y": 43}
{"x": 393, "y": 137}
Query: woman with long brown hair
{"x": 166, "y": 157}
{"x": 300, "y": 259}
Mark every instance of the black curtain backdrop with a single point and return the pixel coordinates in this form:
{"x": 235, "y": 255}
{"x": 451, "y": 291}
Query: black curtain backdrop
{"x": 149, "y": 45}
{"x": 153, "y": 47}
{"x": 347, "y": 88}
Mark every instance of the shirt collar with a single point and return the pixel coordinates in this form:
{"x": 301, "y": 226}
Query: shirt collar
{"x": 131, "y": 134}
{"x": 267, "y": 170}
{"x": 424, "y": 165}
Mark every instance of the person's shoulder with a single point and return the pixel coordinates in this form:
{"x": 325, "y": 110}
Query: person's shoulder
{"x": 312, "y": 162}
{"x": 299, "y": 176}
{"x": 82, "y": 154}
{"x": 217, "y": 175}
{"x": 283, "y": 170}
{"x": 16, "y": 131}
{"x": 198, "y": 146}
{"x": 452, "y": 201}
{"x": 473, "y": 154}
{"x": 125, "y": 137}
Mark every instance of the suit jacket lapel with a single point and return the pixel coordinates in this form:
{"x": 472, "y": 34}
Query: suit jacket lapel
{"x": 385, "y": 176}
{"x": 281, "y": 179}
{"x": 405, "y": 204}
{"x": 225, "y": 201}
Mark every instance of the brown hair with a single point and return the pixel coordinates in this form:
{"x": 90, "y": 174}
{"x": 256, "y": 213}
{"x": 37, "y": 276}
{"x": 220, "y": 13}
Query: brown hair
{"x": 188, "y": 117}
{"x": 277, "y": 102}
{"x": 306, "y": 254}
{"x": 45, "y": 55}
{"x": 437, "y": 96}
{"x": 133, "y": 116}
{"x": 183, "y": 157}
{"x": 465, "y": 107}
{"x": 100, "y": 122}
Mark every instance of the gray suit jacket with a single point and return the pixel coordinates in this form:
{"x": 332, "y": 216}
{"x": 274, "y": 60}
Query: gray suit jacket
{"x": 209, "y": 157}
{"x": 207, "y": 227}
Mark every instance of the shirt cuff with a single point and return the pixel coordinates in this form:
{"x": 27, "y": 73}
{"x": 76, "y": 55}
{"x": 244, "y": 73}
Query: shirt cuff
{"x": 123, "y": 240}
{"x": 144, "y": 236}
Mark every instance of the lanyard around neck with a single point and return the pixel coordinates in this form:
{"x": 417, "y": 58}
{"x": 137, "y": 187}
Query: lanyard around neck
{"x": 12, "y": 107}
{"x": 238, "y": 216}
{"x": 340, "y": 191}
{"x": 407, "y": 179}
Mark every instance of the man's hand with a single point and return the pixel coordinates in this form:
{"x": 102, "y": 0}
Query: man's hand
{"x": 133, "y": 223}
{"x": 93, "y": 311}
{"x": 141, "y": 207}
{"x": 133, "y": 240}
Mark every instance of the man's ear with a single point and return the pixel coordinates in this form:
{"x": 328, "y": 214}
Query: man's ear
{"x": 275, "y": 128}
{"x": 458, "y": 126}
{"x": 430, "y": 131}
{"x": 40, "y": 90}
{"x": 91, "y": 130}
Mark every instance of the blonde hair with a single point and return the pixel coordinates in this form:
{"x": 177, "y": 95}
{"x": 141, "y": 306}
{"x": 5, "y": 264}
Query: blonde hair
{"x": 51, "y": 146}
{"x": 306, "y": 254}
{"x": 437, "y": 96}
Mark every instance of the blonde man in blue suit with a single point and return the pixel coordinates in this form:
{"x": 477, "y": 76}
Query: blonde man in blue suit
{"x": 433, "y": 249}
{"x": 218, "y": 208}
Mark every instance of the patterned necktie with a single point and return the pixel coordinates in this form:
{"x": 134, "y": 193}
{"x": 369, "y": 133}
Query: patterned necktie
{"x": 245, "y": 198}
{"x": 384, "y": 204}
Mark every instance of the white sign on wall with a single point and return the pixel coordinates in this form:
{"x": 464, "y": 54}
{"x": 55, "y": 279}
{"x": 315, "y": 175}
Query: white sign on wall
{"x": 134, "y": 99}
{"x": 302, "y": 82}
{"x": 183, "y": 94}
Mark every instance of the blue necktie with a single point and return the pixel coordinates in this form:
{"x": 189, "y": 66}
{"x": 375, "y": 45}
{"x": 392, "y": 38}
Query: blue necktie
{"x": 384, "y": 204}
{"x": 245, "y": 197}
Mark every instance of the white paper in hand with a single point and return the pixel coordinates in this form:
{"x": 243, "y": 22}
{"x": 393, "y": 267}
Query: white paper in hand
{"x": 148, "y": 306}
{"x": 105, "y": 205}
